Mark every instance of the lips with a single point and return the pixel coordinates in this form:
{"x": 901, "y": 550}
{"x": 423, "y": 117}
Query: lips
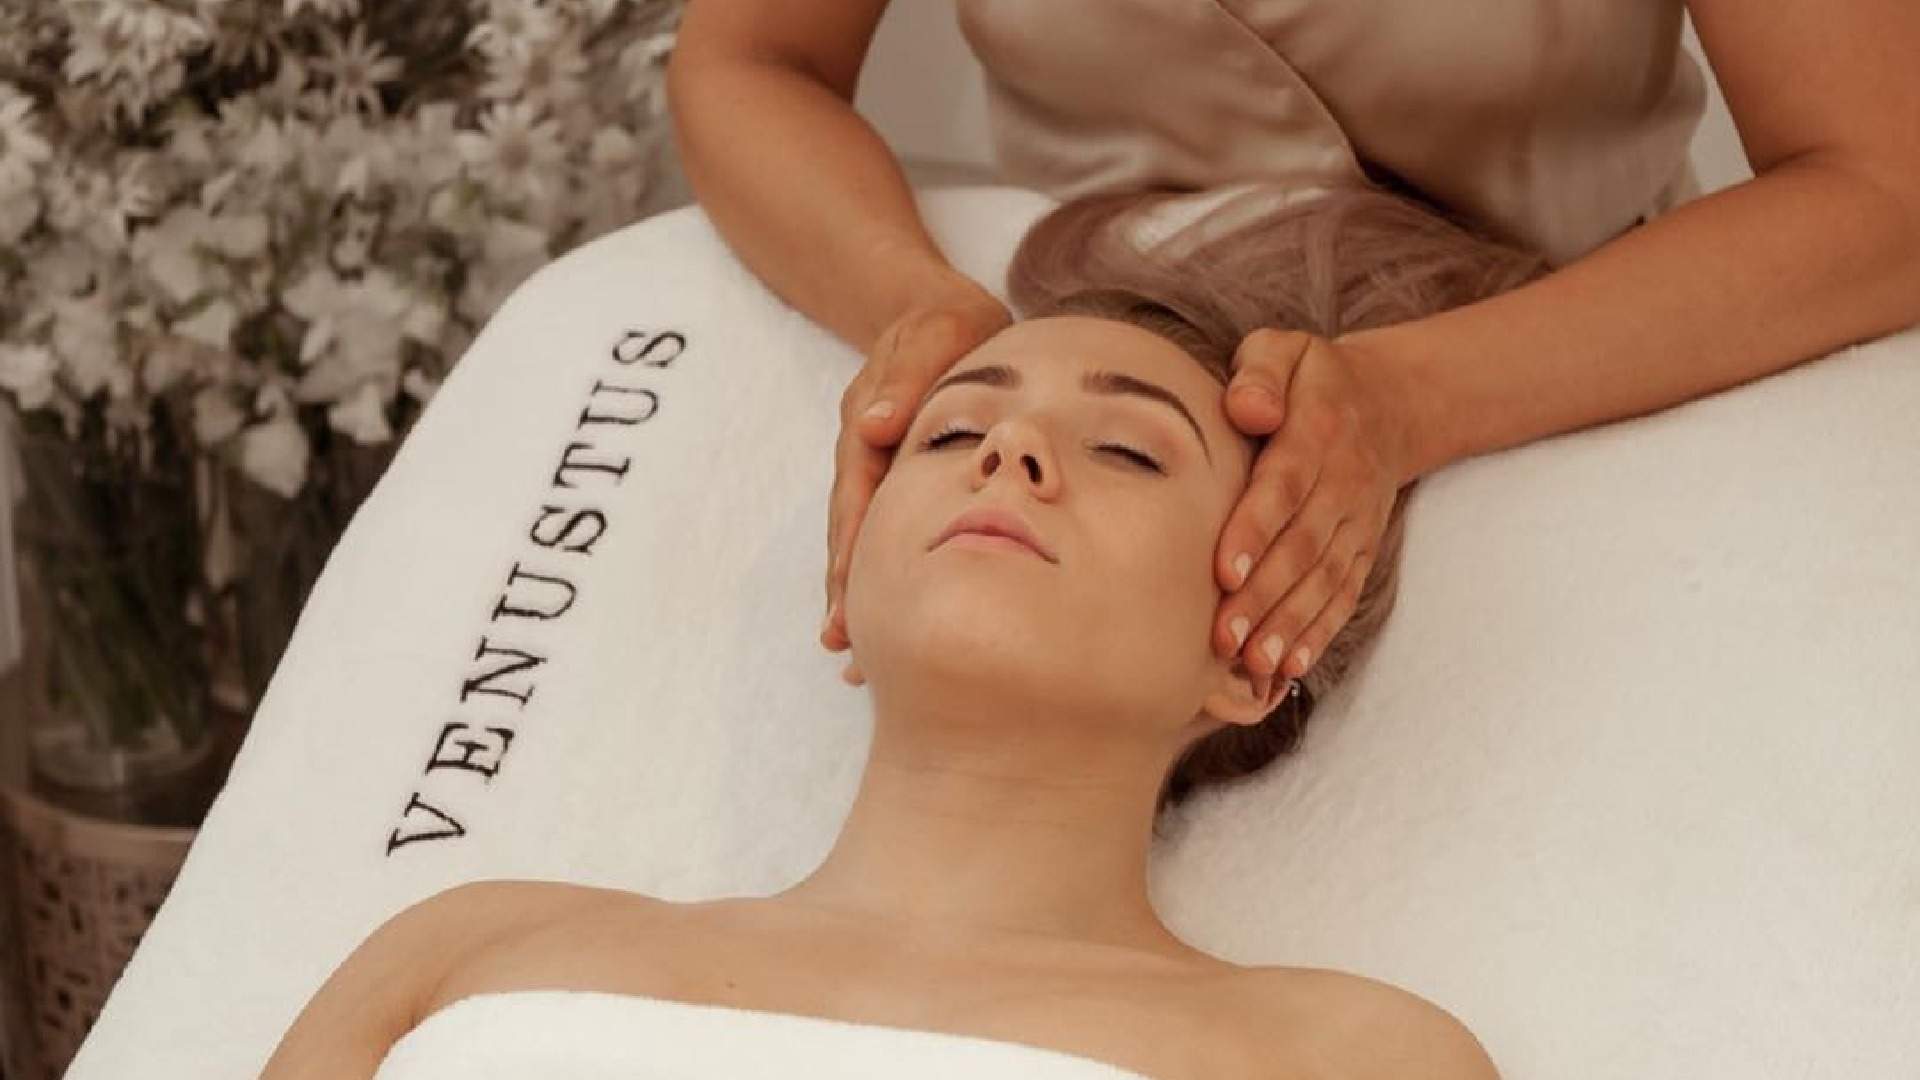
{"x": 991, "y": 521}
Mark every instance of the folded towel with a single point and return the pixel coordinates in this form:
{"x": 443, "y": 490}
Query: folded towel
{"x": 1626, "y": 782}
{"x": 589, "y": 1035}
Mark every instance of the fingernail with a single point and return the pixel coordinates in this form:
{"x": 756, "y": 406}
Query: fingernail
{"x": 879, "y": 410}
{"x": 1300, "y": 660}
{"x": 1240, "y": 625}
{"x": 1242, "y": 566}
{"x": 1272, "y": 647}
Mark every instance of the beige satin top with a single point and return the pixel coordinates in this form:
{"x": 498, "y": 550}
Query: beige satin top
{"x": 1556, "y": 123}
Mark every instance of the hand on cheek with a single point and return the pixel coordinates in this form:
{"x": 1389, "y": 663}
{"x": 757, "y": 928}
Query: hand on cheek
{"x": 1298, "y": 546}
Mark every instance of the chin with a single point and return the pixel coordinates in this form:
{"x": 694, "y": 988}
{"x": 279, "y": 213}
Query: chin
{"x": 967, "y": 630}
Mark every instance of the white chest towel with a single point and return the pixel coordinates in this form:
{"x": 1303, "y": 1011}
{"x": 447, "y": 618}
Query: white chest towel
{"x": 594, "y": 1035}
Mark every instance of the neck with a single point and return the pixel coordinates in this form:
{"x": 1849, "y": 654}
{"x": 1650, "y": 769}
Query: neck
{"x": 1001, "y": 819}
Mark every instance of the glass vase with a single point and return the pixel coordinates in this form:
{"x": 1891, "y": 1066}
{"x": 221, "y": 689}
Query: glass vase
{"x": 109, "y": 548}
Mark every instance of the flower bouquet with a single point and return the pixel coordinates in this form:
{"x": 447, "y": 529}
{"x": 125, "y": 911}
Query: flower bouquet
{"x": 241, "y": 244}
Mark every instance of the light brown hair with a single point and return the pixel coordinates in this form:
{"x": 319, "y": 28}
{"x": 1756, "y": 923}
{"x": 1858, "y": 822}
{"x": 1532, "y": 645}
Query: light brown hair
{"x": 1342, "y": 261}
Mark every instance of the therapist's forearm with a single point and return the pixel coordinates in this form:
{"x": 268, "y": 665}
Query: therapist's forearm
{"x": 1747, "y": 281}
{"x": 807, "y": 194}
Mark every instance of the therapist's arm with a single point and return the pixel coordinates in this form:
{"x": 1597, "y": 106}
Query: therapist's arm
{"x": 800, "y": 186}
{"x": 1821, "y": 249}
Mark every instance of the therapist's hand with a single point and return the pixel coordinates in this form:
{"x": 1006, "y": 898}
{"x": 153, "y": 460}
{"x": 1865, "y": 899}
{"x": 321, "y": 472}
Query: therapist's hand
{"x": 1316, "y": 503}
{"x": 908, "y": 357}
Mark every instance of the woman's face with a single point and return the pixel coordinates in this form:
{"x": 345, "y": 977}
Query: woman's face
{"x": 1113, "y": 446}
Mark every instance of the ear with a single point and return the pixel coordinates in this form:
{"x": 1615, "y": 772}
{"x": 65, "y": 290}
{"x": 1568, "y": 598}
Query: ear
{"x": 1237, "y": 695}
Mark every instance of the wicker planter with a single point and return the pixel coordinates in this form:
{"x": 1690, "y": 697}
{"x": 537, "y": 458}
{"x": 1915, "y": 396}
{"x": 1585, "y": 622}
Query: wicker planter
{"x": 81, "y": 893}
{"x": 82, "y": 870}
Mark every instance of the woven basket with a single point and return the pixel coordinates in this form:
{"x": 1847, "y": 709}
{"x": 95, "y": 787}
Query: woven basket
{"x": 80, "y": 893}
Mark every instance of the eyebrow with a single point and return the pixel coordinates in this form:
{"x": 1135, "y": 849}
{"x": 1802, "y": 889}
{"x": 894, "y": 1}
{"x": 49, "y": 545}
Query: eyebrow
{"x": 1093, "y": 382}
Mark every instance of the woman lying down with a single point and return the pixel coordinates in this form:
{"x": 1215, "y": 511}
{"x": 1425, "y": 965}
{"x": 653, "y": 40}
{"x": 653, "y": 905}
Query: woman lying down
{"x": 1038, "y": 703}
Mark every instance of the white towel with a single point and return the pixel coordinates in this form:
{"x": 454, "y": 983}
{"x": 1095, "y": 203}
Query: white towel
{"x": 589, "y": 1035}
{"x": 1626, "y": 783}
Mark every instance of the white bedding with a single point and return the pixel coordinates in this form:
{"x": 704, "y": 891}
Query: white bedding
{"x": 1628, "y": 783}
{"x": 589, "y": 1035}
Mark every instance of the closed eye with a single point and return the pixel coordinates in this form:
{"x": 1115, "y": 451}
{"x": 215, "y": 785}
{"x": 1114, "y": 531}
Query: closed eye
{"x": 940, "y": 440}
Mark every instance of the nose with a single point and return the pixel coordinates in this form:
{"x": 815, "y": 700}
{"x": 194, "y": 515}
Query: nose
{"x": 1020, "y": 443}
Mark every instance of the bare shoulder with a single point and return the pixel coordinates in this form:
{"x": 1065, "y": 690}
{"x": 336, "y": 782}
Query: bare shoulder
{"x": 469, "y": 920}
{"x": 1363, "y": 1028}
{"x": 385, "y": 984}
{"x": 507, "y": 904}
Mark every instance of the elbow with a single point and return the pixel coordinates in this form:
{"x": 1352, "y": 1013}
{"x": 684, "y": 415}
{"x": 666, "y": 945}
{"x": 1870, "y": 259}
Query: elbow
{"x": 1888, "y": 180}
{"x": 1877, "y": 197}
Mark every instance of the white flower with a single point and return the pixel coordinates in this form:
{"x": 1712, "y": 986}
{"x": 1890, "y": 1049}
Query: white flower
{"x": 274, "y": 454}
{"x": 344, "y": 154}
{"x": 136, "y": 189}
{"x": 517, "y": 146}
{"x": 327, "y": 9}
{"x": 354, "y": 331}
{"x": 599, "y": 10}
{"x": 244, "y": 34}
{"x": 315, "y": 298}
{"x": 189, "y": 134}
{"x": 275, "y": 451}
{"x": 95, "y": 205}
{"x": 271, "y": 147}
{"x": 419, "y": 386}
{"x": 514, "y": 25}
{"x": 127, "y": 418}
{"x": 361, "y": 416}
{"x": 151, "y": 27}
{"x": 165, "y": 363}
{"x": 457, "y": 210}
{"x": 97, "y": 49}
{"x": 211, "y": 326}
{"x": 548, "y": 76}
{"x": 27, "y": 370}
{"x": 426, "y": 154}
{"x": 614, "y": 147}
{"x": 642, "y": 72}
{"x": 619, "y": 160}
{"x": 86, "y": 339}
{"x": 170, "y": 253}
{"x": 285, "y": 96}
{"x": 167, "y": 359}
{"x": 134, "y": 49}
{"x": 68, "y": 270}
{"x": 355, "y": 70}
{"x": 242, "y": 236}
{"x": 215, "y": 416}
{"x": 21, "y": 147}
{"x": 215, "y": 191}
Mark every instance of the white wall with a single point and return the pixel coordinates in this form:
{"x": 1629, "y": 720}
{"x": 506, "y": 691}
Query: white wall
{"x": 922, "y": 89}
{"x": 1717, "y": 154}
